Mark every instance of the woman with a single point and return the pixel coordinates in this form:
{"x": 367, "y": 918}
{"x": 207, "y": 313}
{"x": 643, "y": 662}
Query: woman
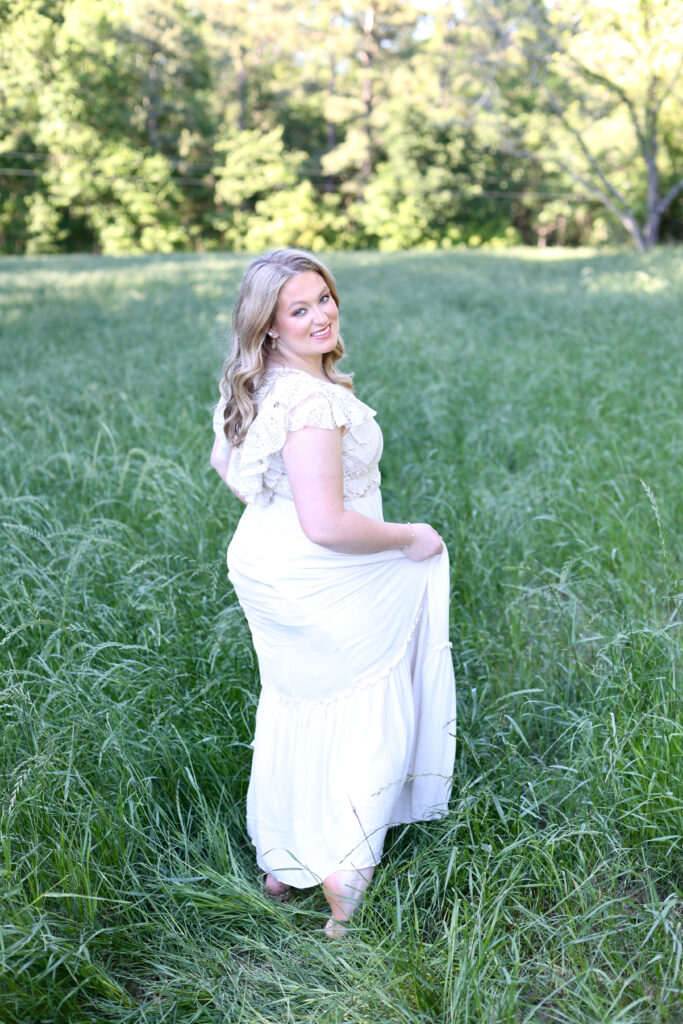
{"x": 355, "y": 728}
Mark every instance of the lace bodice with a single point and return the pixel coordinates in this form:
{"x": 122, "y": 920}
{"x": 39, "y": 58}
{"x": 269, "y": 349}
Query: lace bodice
{"x": 288, "y": 400}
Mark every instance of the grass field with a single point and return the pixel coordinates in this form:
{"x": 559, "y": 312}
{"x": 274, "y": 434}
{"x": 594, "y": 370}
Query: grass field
{"x": 532, "y": 410}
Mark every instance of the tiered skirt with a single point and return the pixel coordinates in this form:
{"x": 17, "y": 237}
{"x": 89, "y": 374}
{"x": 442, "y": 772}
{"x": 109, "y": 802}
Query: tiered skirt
{"x": 355, "y": 727}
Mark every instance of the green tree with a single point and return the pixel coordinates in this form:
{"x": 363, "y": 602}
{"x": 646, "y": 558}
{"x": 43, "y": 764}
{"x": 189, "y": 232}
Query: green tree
{"x": 593, "y": 91}
{"x": 260, "y": 200}
{"x": 432, "y": 184}
{"x": 162, "y": 124}
{"x": 28, "y": 29}
{"x": 118, "y": 109}
{"x": 373, "y": 38}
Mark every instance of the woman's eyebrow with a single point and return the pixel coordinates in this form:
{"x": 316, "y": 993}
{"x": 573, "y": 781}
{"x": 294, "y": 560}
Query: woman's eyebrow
{"x": 304, "y": 302}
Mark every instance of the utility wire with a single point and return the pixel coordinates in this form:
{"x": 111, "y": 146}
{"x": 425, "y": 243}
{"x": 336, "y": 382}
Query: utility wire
{"x": 180, "y": 162}
{"x": 501, "y": 194}
{"x": 207, "y": 183}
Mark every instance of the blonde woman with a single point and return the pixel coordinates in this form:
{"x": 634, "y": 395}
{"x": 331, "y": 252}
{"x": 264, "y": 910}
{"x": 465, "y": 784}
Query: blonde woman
{"x": 355, "y": 728}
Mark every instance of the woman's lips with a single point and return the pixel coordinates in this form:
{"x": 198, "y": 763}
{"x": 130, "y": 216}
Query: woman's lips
{"x": 322, "y": 333}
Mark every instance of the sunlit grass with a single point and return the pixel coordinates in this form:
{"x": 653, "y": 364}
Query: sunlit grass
{"x": 532, "y": 410}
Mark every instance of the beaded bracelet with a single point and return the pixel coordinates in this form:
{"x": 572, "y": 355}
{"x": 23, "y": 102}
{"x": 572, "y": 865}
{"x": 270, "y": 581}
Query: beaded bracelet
{"x": 410, "y": 539}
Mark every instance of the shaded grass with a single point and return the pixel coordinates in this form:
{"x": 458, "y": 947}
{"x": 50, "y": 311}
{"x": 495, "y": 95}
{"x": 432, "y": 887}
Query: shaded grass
{"x": 531, "y": 410}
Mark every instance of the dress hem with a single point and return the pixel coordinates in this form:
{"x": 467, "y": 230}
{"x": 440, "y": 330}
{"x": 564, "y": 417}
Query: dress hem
{"x": 284, "y": 874}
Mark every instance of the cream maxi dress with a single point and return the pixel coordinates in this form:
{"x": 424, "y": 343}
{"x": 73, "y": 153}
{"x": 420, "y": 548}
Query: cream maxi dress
{"x": 355, "y": 727}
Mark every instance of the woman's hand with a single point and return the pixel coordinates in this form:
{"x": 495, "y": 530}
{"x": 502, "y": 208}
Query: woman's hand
{"x": 424, "y": 543}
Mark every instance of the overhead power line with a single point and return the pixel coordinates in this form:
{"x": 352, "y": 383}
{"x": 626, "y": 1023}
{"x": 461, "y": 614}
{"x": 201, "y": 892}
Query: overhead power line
{"x": 25, "y": 172}
{"x": 21, "y": 172}
{"x": 501, "y": 194}
{"x": 175, "y": 161}
{"x": 310, "y": 168}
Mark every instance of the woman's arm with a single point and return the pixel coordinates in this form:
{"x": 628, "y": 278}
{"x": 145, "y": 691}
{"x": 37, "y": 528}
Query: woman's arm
{"x": 313, "y": 460}
{"x": 221, "y": 464}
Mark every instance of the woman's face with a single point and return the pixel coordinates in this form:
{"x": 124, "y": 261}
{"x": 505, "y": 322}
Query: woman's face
{"x": 306, "y": 322}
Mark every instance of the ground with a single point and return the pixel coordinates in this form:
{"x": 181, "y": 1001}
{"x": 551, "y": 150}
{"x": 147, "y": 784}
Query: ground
{"x": 531, "y": 407}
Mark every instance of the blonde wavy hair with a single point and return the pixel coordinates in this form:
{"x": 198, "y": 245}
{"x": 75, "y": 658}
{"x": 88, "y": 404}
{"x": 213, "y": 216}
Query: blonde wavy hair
{"x": 252, "y": 317}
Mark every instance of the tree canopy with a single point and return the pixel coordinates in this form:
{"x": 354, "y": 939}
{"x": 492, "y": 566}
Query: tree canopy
{"x": 155, "y": 125}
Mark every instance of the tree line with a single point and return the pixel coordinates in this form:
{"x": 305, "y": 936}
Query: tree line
{"x": 159, "y": 125}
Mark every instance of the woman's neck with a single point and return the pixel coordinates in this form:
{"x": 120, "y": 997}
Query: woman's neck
{"x": 314, "y": 367}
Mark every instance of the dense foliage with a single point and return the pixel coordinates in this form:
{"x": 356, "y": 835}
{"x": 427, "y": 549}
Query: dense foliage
{"x": 530, "y": 405}
{"x": 154, "y": 125}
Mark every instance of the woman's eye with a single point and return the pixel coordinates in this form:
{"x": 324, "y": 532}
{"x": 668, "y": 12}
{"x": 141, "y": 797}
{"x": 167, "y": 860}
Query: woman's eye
{"x": 324, "y": 298}
{"x": 298, "y": 312}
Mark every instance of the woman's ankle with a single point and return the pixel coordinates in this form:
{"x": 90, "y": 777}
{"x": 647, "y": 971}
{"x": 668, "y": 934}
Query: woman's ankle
{"x": 344, "y": 891}
{"x": 274, "y": 888}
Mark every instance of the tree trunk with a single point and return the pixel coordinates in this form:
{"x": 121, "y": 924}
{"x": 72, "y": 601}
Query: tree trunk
{"x": 654, "y": 214}
{"x": 651, "y": 231}
{"x": 153, "y": 102}
{"x": 366, "y": 58}
{"x": 242, "y": 90}
{"x": 636, "y": 234}
{"x": 331, "y": 127}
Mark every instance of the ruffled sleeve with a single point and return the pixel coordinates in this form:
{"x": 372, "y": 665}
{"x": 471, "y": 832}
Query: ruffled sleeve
{"x": 315, "y": 410}
{"x": 294, "y": 401}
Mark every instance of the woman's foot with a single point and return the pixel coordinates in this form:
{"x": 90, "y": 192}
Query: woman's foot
{"x": 344, "y": 891}
{"x": 276, "y": 890}
{"x": 336, "y": 929}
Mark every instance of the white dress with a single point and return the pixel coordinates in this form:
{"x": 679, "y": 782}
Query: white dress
{"x": 355, "y": 727}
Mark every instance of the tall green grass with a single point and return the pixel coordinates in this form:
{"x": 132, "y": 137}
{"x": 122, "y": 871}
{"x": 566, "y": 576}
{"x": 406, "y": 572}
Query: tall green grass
{"x": 532, "y": 410}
